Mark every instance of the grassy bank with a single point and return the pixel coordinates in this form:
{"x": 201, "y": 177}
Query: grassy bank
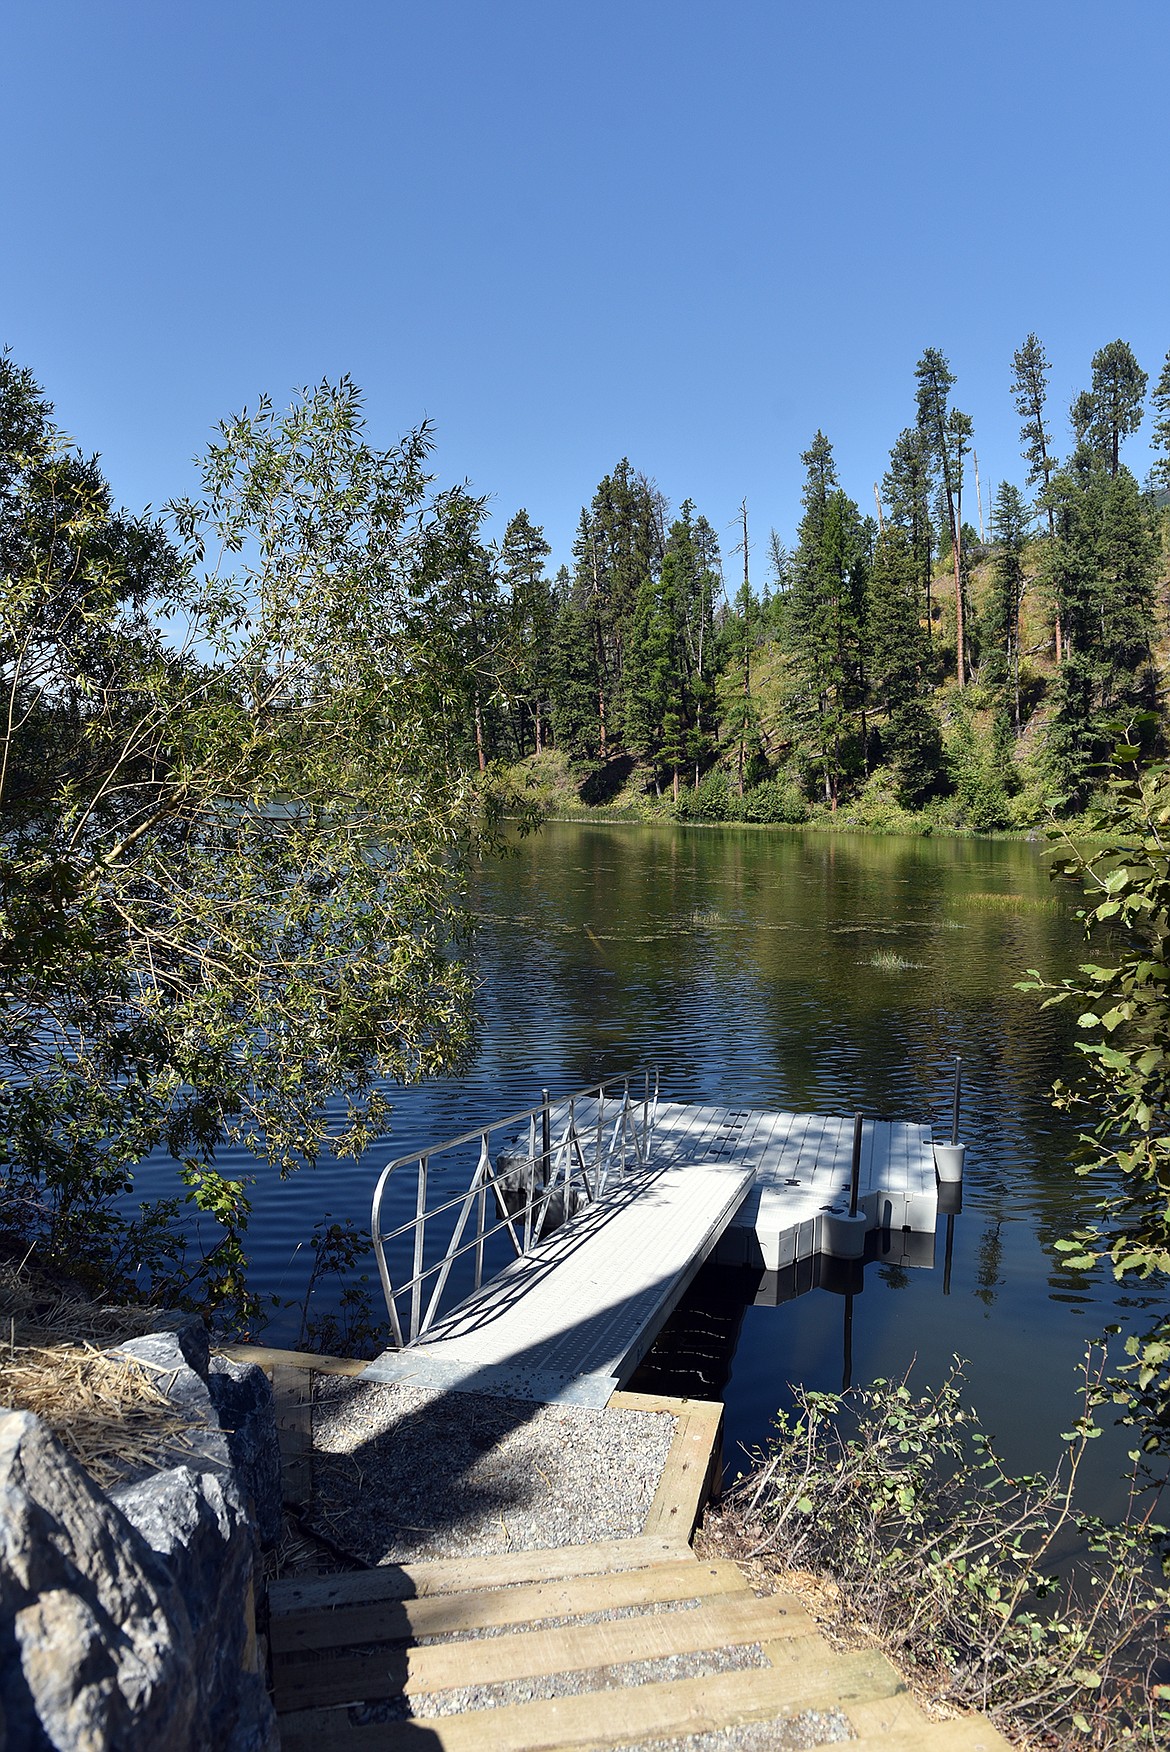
{"x": 625, "y": 790}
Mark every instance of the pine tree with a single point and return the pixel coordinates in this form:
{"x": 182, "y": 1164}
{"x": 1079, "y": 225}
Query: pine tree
{"x": 1030, "y": 369}
{"x": 935, "y": 381}
{"x": 1108, "y": 412}
{"x": 825, "y": 621}
{"x": 1009, "y": 525}
{"x": 898, "y": 654}
{"x": 655, "y": 674}
{"x": 459, "y": 575}
{"x": 1160, "y": 436}
{"x": 692, "y": 551}
{"x": 574, "y": 684}
{"x": 619, "y": 544}
{"x": 529, "y": 618}
{"x": 959, "y": 431}
{"x": 1105, "y": 559}
{"x": 907, "y": 487}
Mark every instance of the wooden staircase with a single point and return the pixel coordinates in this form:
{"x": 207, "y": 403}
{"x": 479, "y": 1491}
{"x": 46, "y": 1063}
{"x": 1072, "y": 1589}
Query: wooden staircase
{"x": 406, "y": 1636}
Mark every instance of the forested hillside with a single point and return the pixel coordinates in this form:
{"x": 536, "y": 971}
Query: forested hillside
{"x": 954, "y": 656}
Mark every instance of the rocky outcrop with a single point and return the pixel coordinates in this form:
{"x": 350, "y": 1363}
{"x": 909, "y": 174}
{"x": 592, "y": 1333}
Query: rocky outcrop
{"x": 126, "y": 1620}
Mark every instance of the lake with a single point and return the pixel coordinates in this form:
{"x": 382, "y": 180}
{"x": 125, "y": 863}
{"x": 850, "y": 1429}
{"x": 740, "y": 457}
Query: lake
{"x": 782, "y": 968}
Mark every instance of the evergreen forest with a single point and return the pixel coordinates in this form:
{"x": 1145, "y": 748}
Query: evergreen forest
{"x": 956, "y": 656}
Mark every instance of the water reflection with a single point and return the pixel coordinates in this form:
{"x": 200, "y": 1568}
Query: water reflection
{"x": 786, "y": 969}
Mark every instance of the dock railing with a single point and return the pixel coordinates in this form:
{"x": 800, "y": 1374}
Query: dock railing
{"x": 549, "y": 1161}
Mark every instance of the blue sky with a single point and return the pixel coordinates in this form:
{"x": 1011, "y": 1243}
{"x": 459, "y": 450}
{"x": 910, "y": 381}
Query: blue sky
{"x": 566, "y": 232}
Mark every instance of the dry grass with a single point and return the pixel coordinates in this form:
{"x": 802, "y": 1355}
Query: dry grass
{"x": 110, "y": 1412}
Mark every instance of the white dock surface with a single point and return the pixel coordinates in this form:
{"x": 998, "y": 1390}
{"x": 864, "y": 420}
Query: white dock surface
{"x": 572, "y": 1321}
{"x": 801, "y": 1164}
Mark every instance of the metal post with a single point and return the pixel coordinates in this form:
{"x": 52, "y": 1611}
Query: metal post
{"x": 544, "y": 1135}
{"x": 958, "y": 1094}
{"x": 855, "y": 1168}
{"x": 420, "y": 1212}
{"x": 949, "y": 1254}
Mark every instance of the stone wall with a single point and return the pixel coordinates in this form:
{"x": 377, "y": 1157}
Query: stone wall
{"x": 126, "y": 1619}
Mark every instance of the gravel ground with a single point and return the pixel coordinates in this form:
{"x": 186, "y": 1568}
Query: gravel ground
{"x": 618, "y": 1676}
{"x": 403, "y": 1473}
{"x": 794, "y": 1733}
{"x": 605, "y": 1615}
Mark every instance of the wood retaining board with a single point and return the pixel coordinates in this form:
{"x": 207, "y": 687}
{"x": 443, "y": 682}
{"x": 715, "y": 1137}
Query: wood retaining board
{"x": 718, "y": 1621}
{"x": 446, "y": 1575}
{"x": 315, "y": 1629}
{"x": 571, "y": 1321}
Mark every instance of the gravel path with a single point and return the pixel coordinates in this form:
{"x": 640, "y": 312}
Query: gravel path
{"x": 794, "y": 1733}
{"x": 404, "y": 1473}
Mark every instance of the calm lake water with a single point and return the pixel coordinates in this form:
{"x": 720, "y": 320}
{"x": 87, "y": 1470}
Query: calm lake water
{"x": 784, "y": 969}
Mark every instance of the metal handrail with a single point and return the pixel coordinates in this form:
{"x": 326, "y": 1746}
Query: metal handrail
{"x": 587, "y": 1157}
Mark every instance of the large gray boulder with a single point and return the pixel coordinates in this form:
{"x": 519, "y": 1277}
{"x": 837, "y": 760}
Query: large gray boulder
{"x": 242, "y": 1396}
{"x": 127, "y": 1620}
{"x": 163, "y": 1355}
{"x": 197, "y": 1524}
{"x": 96, "y": 1647}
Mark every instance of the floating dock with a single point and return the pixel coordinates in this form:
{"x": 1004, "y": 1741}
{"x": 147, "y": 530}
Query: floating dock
{"x": 571, "y": 1318}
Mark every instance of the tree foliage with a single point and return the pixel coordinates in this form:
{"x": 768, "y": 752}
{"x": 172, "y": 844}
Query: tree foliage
{"x": 233, "y": 821}
{"x": 1123, "y": 1098}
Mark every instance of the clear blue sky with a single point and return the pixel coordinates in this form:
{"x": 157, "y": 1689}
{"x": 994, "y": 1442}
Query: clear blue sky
{"x": 571, "y": 230}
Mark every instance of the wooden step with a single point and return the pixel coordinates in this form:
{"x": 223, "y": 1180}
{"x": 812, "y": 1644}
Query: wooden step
{"x": 301, "y": 1683}
{"x": 459, "y": 1575}
{"x": 446, "y": 1614}
{"x": 963, "y": 1734}
{"x": 602, "y": 1720}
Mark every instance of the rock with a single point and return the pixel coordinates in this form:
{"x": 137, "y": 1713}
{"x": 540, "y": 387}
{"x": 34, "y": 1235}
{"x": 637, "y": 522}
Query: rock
{"x": 192, "y": 1338}
{"x": 96, "y": 1647}
{"x": 163, "y": 1356}
{"x": 242, "y": 1396}
{"x": 197, "y": 1524}
{"x": 127, "y": 1620}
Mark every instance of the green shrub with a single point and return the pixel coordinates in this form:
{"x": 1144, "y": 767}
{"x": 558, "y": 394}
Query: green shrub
{"x": 709, "y": 800}
{"x": 773, "y": 801}
{"x": 904, "y": 1505}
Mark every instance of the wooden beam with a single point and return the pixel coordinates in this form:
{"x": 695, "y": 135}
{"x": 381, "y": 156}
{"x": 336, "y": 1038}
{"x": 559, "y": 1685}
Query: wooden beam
{"x": 692, "y": 1466}
{"x": 331, "y": 1627}
{"x": 293, "y": 1395}
{"x": 714, "y": 1624}
{"x": 456, "y": 1575}
{"x": 672, "y": 1709}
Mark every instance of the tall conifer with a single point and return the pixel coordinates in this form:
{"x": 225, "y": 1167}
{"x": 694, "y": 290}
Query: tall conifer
{"x": 935, "y": 381}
